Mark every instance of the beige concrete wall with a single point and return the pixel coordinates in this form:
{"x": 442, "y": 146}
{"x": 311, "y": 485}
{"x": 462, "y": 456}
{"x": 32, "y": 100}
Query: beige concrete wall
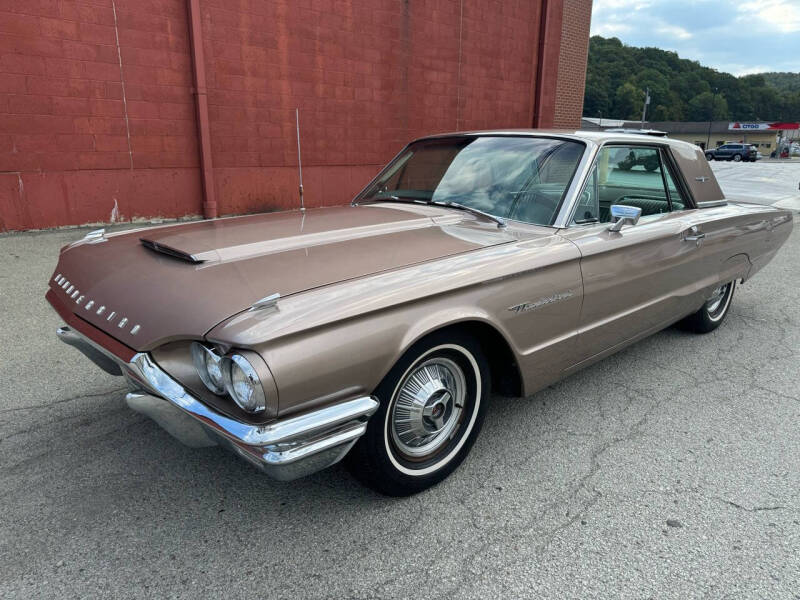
{"x": 764, "y": 141}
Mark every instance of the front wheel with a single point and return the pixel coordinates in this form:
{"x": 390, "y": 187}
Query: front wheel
{"x": 709, "y": 157}
{"x": 737, "y": 157}
{"x": 713, "y": 311}
{"x": 432, "y": 405}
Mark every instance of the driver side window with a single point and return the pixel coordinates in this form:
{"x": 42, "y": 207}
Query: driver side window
{"x": 629, "y": 175}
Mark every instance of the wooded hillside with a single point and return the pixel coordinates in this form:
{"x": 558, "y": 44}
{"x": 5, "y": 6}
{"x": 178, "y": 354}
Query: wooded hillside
{"x": 681, "y": 89}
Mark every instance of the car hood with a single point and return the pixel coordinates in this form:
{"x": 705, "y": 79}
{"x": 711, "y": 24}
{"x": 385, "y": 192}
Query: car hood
{"x": 150, "y": 286}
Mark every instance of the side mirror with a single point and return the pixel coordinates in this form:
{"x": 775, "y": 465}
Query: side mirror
{"x": 624, "y": 215}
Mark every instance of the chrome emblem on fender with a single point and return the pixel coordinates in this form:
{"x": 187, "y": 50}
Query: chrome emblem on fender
{"x": 526, "y": 306}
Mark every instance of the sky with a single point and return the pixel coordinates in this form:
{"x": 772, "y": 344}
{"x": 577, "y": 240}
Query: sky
{"x": 735, "y": 36}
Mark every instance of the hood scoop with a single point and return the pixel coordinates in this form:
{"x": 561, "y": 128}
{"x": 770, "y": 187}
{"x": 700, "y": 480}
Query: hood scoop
{"x": 169, "y": 251}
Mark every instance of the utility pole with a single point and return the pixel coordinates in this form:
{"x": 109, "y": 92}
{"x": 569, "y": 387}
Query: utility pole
{"x": 644, "y": 108}
{"x": 711, "y": 117}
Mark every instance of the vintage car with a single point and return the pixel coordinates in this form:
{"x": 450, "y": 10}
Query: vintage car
{"x": 376, "y": 332}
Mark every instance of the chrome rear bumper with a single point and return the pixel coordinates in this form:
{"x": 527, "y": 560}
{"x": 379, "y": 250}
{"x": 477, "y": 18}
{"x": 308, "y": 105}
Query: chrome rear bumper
{"x": 285, "y": 449}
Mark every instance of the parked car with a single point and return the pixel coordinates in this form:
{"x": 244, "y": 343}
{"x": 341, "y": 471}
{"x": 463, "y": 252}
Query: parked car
{"x": 473, "y": 263}
{"x": 735, "y": 152}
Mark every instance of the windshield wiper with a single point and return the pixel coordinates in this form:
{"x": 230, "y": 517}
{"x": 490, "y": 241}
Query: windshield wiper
{"x": 500, "y": 222}
{"x": 475, "y": 211}
{"x": 391, "y": 199}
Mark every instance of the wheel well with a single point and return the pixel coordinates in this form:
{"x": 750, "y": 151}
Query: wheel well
{"x": 506, "y": 378}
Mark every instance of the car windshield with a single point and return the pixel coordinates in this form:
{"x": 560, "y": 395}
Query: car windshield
{"x": 519, "y": 178}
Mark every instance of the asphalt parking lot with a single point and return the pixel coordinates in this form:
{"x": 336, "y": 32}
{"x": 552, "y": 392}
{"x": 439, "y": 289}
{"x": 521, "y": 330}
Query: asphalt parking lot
{"x": 764, "y": 182}
{"x": 670, "y": 470}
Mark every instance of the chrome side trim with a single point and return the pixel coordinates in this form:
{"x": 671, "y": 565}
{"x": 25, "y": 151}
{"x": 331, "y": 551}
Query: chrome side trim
{"x": 712, "y": 203}
{"x": 285, "y": 449}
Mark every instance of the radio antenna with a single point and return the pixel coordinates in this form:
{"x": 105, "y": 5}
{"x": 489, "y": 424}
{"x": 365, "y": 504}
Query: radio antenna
{"x": 299, "y": 160}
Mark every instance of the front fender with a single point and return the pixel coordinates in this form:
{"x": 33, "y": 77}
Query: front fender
{"x": 351, "y": 357}
{"x": 449, "y": 317}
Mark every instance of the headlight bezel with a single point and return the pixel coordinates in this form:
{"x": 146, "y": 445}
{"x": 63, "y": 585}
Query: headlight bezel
{"x": 263, "y": 398}
{"x": 201, "y": 356}
{"x": 256, "y": 402}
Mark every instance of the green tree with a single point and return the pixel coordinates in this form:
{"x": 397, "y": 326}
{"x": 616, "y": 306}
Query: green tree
{"x": 783, "y": 82}
{"x": 628, "y": 101}
{"x": 708, "y": 107}
{"x": 596, "y": 101}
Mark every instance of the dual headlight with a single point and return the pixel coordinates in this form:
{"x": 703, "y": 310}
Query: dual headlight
{"x": 232, "y": 375}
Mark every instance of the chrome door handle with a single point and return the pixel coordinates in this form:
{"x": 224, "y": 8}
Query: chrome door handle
{"x": 694, "y": 234}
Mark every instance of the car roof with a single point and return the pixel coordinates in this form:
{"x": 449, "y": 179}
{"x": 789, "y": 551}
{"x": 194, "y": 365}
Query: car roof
{"x": 653, "y": 132}
{"x": 598, "y": 137}
{"x": 690, "y": 157}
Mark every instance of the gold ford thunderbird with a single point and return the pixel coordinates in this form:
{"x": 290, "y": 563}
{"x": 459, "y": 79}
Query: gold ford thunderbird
{"x": 376, "y": 332}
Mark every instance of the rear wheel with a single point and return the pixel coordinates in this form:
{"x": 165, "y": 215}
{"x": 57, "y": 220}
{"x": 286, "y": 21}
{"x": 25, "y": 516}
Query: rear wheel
{"x": 713, "y": 311}
{"x": 737, "y": 157}
{"x": 432, "y": 405}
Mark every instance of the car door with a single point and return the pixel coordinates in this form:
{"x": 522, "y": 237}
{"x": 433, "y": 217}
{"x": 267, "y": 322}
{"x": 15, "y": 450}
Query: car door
{"x": 639, "y": 279}
{"x": 723, "y": 239}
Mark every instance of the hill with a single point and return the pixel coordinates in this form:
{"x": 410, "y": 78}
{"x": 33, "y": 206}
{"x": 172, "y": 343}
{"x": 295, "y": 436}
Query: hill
{"x": 783, "y": 82}
{"x": 681, "y": 89}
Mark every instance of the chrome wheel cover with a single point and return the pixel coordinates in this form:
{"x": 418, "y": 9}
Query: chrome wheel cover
{"x": 428, "y": 407}
{"x": 716, "y": 299}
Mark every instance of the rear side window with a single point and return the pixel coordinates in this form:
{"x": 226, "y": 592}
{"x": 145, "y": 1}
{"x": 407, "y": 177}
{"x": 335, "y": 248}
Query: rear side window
{"x": 629, "y": 175}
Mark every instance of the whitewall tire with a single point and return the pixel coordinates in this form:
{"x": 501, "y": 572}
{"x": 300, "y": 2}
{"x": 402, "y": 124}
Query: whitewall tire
{"x": 432, "y": 405}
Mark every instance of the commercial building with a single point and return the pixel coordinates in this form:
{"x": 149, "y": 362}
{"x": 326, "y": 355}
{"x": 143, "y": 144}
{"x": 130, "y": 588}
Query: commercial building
{"x": 763, "y": 135}
{"x": 113, "y": 110}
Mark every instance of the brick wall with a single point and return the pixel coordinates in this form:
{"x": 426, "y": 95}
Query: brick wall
{"x": 97, "y": 117}
{"x": 78, "y": 145}
{"x": 367, "y": 77}
{"x": 572, "y": 63}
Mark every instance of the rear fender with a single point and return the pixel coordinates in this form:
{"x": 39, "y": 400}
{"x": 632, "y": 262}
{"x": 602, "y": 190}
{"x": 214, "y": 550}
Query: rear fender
{"x": 736, "y": 267}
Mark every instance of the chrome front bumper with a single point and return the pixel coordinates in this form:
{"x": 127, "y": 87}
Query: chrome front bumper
{"x": 285, "y": 449}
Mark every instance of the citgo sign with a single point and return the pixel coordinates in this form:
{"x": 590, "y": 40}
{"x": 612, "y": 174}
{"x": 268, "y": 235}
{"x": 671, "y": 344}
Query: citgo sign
{"x": 739, "y": 126}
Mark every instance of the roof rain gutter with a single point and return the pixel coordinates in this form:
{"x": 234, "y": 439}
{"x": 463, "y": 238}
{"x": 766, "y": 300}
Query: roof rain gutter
{"x": 201, "y": 107}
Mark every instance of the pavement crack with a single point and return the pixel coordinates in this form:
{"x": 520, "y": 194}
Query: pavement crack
{"x": 754, "y": 509}
{"x": 62, "y": 401}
